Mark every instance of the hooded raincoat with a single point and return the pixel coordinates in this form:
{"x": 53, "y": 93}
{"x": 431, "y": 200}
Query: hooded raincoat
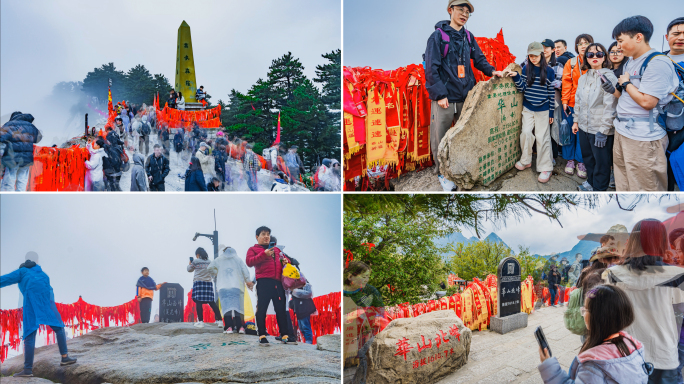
{"x": 138, "y": 178}
{"x": 94, "y": 165}
{"x": 231, "y": 276}
{"x": 653, "y": 292}
{"x": 39, "y": 299}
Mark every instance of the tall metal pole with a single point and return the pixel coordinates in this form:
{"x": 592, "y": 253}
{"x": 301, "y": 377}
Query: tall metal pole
{"x": 216, "y": 243}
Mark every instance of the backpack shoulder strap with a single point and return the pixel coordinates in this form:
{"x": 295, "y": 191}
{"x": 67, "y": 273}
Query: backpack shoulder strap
{"x": 645, "y": 64}
{"x": 445, "y": 39}
{"x": 573, "y": 62}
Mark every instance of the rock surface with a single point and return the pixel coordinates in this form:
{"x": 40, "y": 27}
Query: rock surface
{"x": 428, "y": 332}
{"x": 485, "y": 142}
{"x": 425, "y": 180}
{"x": 330, "y": 343}
{"x": 180, "y": 353}
{"x": 24, "y": 380}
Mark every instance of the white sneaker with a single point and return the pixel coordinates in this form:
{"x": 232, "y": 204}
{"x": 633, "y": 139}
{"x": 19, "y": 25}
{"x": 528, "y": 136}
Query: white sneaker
{"x": 199, "y": 324}
{"x": 226, "y": 332}
{"x": 544, "y": 177}
{"x": 447, "y": 185}
{"x": 585, "y": 187}
{"x": 219, "y": 323}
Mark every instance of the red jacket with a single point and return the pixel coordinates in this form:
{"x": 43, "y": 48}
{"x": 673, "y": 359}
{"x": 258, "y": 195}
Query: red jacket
{"x": 264, "y": 265}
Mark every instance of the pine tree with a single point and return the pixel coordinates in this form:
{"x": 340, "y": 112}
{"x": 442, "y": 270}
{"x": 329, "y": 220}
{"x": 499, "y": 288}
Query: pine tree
{"x": 330, "y": 75}
{"x": 96, "y": 83}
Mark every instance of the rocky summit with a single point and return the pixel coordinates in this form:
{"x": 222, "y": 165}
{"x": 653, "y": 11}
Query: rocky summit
{"x": 180, "y": 353}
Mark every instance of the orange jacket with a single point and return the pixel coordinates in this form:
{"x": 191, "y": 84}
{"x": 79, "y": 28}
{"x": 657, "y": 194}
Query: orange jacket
{"x": 143, "y": 293}
{"x": 570, "y": 78}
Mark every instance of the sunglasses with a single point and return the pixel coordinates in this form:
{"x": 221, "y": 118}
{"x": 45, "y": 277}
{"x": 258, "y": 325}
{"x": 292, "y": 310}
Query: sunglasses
{"x": 598, "y": 55}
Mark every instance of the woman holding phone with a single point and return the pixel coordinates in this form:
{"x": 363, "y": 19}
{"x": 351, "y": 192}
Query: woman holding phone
{"x": 595, "y": 110}
{"x": 203, "y": 287}
{"x": 609, "y": 354}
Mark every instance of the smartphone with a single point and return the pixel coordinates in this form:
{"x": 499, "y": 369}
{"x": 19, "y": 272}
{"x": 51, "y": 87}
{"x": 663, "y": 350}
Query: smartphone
{"x": 272, "y": 244}
{"x": 541, "y": 340}
{"x": 603, "y": 78}
{"x": 191, "y": 259}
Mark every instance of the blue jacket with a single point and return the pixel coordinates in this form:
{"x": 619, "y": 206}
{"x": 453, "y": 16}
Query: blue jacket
{"x": 39, "y": 300}
{"x": 19, "y": 134}
{"x": 194, "y": 181}
{"x": 441, "y": 73}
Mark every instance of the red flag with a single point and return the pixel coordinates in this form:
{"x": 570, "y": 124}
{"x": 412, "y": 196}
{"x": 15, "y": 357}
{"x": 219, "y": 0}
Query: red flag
{"x": 109, "y": 100}
{"x": 277, "y": 140}
{"x": 252, "y": 106}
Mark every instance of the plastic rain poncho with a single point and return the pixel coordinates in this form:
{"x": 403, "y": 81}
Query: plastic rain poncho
{"x": 231, "y": 274}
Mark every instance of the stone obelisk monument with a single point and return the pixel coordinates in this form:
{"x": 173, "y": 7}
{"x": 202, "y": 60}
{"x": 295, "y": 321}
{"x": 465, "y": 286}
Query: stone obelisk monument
{"x": 185, "y": 64}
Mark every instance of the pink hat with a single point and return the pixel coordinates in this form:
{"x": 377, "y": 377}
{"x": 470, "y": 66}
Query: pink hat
{"x": 220, "y": 133}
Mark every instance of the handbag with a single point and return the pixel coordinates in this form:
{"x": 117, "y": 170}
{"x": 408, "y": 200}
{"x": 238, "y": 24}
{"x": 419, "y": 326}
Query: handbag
{"x": 565, "y": 134}
{"x": 292, "y": 278}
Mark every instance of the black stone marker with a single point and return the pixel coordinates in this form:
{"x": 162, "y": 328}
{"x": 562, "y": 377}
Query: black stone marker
{"x": 171, "y": 303}
{"x": 508, "y": 275}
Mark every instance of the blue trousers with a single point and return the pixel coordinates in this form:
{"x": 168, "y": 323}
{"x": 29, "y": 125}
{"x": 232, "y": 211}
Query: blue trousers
{"x": 305, "y": 328}
{"x": 30, "y": 345}
{"x": 572, "y": 151}
{"x": 552, "y": 290}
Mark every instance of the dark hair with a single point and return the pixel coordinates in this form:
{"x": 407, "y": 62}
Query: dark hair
{"x": 633, "y": 25}
{"x": 610, "y": 311}
{"x": 354, "y": 268}
{"x": 565, "y": 43}
{"x": 180, "y": 94}
{"x": 195, "y": 164}
{"x": 677, "y": 21}
{"x": 584, "y": 36}
{"x": 143, "y": 269}
{"x": 606, "y": 61}
{"x": 201, "y": 86}
{"x": 262, "y": 229}
{"x": 213, "y": 179}
{"x": 100, "y": 143}
{"x": 274, "y": 240}
{"x": 614, "y": 44}
{"x": 593, "y": 278}
{"x": 674, "y": 235}
{"x": 529, "y": 72}
{"x": 156, "y": 146}
{"x": 201, "y": 253}
{"x": 606, "y": 238}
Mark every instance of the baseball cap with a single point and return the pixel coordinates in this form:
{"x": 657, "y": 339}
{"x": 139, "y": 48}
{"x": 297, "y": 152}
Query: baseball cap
{"x": 535, "y": 48}
{"x": 548, "y": 43}
{"x": 461, "y": 2}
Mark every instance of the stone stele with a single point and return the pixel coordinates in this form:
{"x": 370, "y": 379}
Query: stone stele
{"x": 485, "y": 142}
{"x": 434, "y": 348}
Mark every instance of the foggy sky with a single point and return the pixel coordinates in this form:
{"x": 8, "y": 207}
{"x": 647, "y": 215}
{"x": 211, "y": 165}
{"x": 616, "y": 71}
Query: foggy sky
{"x": 44, "y": 42}
{"x": 388, "y": 35}
{"x": 544, "y": 237}
{"x": 95, "y": 245}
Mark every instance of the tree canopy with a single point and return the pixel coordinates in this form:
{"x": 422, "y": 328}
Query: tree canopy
{"x": 137, "y": 85}
{"x": 306, "y": 114}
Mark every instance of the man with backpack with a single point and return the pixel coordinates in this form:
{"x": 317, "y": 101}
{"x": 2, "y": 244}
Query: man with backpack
{"x": 675, "y": 39}
{"x": 145, "y": 131}
{"x": 448, "y": 74}
{"x": 157, "y": 168}
{"x": 112, "y": 163}
{"x": 554, "y": 278}
{"x": 294, "y": 163}
{"x": 18, "y": 136}
{"x": 647, "y": 85}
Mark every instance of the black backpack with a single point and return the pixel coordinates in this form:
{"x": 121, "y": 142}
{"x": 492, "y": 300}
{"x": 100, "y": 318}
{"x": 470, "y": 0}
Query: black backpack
{"x": 113, "y": 157}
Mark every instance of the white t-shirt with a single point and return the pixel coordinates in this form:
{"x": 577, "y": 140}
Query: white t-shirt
{"x": 659, "y": 80}
{"x": 677, "y": 58}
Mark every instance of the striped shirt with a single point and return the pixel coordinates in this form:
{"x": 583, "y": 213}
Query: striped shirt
{"x": 537, "y": 97}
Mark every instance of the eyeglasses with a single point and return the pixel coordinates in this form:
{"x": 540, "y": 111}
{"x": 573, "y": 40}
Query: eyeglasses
{"x": 463, "y": 9}
{"x": 598, "y": 55}
{"x": 616, "y": 53}
{"x": 583, "y": 44}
